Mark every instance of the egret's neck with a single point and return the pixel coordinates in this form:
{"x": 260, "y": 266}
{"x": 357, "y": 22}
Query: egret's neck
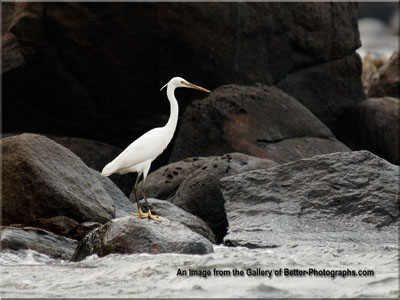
{"x": 173, "y": 118}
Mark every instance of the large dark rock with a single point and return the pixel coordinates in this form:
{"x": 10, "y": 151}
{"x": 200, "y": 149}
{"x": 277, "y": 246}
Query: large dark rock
{"x": 123, "y": 206}
{"x": 200, "y": 192}
{"x": 42, "y": 179}
{"x": 387, "y": 83}
{"x": 96, "y": 155}
{"x": 374, "y": 125}
{"x": 163, "y": 182}
{"x": 330, "y": 88}
{"x": 39, "y": 240}
{"x": 91, "y": 66}
{"x": 171, "y": 212}
{"x": 257, "y": 120}
{"x": 134, "y": 235}
{"x": 338, "y": 197}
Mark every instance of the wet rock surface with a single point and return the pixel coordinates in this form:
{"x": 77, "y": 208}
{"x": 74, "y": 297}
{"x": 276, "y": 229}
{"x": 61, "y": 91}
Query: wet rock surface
{"x": 256, "y": 120}
{"x": 42, "y": 179}
{"x": 387, "y": 83}
{"x": 328, "y": 198}
{"x": 200, "y": 192}
{"x": 134, "y": 235}
{"x": 171, "y": 212}
{"x": 37, "y": 239}
{"x": 374, "y": 125}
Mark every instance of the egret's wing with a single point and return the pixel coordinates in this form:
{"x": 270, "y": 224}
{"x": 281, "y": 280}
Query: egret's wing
{"x": 146, "y": 147}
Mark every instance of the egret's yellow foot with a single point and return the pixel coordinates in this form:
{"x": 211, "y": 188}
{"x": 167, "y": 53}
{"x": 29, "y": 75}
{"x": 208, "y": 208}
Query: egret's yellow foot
{"x": 141, "y": 214}
{"x": 155, "y": 217}
{"x": 148, "y": 215}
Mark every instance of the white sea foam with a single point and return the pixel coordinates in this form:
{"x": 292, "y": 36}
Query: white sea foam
{"x": 30, "y": 274}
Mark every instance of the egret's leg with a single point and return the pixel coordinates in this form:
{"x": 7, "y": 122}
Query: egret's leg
{"x": 135, "y": 188}
{"x": 149, "y": 215}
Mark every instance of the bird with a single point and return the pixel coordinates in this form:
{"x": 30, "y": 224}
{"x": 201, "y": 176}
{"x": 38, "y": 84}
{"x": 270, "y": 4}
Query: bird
{"x": 139, "y": 155}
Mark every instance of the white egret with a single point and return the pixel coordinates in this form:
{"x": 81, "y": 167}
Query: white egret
{"x": 140, "y": 154}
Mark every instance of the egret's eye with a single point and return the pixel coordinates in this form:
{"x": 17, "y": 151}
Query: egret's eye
{"x": 183, "y": 82}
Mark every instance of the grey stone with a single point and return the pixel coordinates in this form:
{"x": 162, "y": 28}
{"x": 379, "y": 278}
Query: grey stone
{"x": 163, "y": 182}
{"x": 327, "y": 89}
{"x": 96, "y": 155}
{"x": 200, "y": 193}
{"x": 327, "y": 198}
{"x": 42, "y": 179}
{"x": 257, "y": 120}
{"x": 123, "y": 206}
{"x": 374, "y": 125}
{"x": 171, "y": 212}
{"x": 134, "y": 235}
{"x": 39, "y": 240}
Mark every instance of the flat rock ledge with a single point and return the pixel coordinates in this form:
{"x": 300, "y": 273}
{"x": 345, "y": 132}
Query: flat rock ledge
{"x": 40, "y": 240}
{"x": 333, "y": 198}
{"x": 131, "y": 234}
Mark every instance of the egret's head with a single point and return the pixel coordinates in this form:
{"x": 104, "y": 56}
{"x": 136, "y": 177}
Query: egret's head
{"x": 177, "y": 82}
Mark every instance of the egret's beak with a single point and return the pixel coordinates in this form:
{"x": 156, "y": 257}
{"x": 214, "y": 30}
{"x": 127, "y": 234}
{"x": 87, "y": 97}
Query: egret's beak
{"x": 196, "y": 87}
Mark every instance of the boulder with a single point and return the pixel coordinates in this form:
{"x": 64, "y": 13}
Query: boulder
{"x": 91, "y": 67}
{"x": 200, "y": 192}
{"x": 123, "y": 206}
{"x": 374, "y": 125}
{"x": 96, "y": 155}
{"x": 39, "y": 240}
{"x": 42, "y": 179}
{"x": 387, "y": 83}
{"x": 338, "y": 197}
{"x": 163, "y": 182}
{"x": 257, "y": 120}
{"x": 332, "y": 93}
{"x": 134, "y": 235}
{"x": 171, "y": 212}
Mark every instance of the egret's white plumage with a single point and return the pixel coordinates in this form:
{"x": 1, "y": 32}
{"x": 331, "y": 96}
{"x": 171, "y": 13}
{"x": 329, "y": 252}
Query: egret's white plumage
{"x": 139, "y": 155}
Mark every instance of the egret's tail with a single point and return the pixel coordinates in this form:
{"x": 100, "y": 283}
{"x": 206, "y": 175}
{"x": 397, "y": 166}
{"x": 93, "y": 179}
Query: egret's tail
{"x": 108, "y": 170}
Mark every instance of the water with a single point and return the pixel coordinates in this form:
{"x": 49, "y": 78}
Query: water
{"x": 30, "y": 274}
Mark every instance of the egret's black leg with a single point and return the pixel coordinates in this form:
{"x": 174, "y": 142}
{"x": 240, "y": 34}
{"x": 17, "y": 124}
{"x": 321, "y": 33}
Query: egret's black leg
{"x": 140, "y": 214}
{"x": 149, "y": 215}
{"x": 144, "y": 195}
{"x": 135, "y": 188}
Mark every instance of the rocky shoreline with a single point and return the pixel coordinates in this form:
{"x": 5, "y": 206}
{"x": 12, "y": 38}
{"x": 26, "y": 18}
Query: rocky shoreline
{"x": 287, "y": 149}
{"x": 236, "y": 199}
